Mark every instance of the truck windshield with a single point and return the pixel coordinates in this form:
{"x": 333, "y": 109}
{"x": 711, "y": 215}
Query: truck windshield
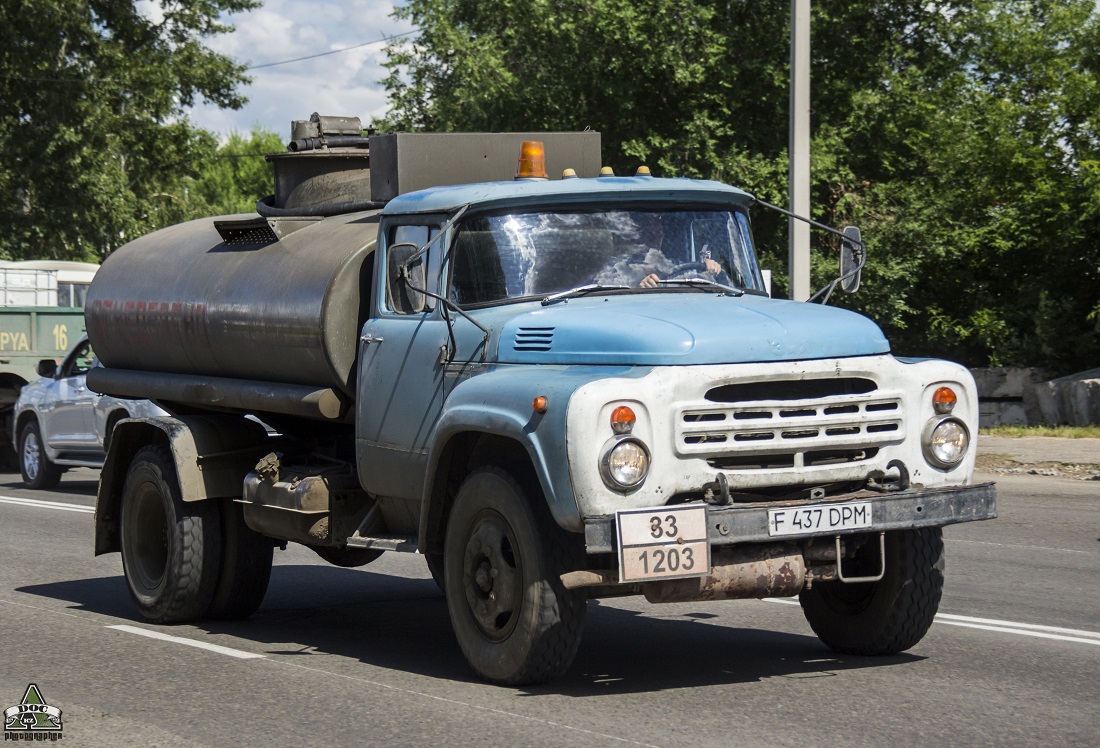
{"x": 497, "y": 258}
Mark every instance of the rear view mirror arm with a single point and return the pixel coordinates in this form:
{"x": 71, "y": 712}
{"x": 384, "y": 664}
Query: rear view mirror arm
{"x": 857, "y": 245}
{"x": 449, "y": 305}
{"x": 810, "y": 221}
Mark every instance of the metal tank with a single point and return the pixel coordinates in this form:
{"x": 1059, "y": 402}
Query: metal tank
{"x": 259, "y": 302}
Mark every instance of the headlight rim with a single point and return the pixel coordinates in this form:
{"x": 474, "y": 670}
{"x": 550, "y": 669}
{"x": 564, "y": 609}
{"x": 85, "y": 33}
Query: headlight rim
{"x": 926, "y": 442}
{"x": 605, "y": 467}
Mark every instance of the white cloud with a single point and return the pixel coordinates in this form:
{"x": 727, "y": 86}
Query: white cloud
{"x": 344, "y": 84}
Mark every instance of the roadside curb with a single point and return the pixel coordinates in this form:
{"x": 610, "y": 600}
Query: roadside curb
{"x": 1049, "y": 456}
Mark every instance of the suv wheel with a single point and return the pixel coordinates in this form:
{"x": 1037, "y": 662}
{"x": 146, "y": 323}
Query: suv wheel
{"x": 35, "y": 467}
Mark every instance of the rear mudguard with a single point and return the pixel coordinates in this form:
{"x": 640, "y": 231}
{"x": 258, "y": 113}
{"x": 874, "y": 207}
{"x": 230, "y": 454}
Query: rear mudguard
{"x": 212, "y": 454}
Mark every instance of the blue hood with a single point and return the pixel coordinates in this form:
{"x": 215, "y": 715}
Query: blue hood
{"x": 685, "y": 329}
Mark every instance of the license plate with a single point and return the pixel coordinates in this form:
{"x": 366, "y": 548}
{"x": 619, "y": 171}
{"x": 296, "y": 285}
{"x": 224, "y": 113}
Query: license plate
{"x": 819, "y": 518}
{"x": 663, "y": 543}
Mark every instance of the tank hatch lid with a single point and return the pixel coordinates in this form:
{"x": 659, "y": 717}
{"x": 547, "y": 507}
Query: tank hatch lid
{"x": 258, "y": 231}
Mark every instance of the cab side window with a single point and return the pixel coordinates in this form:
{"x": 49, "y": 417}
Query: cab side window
{"x": 418, "y": 235}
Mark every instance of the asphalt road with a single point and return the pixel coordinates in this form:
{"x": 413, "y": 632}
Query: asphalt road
{"x": 366, "y": 657}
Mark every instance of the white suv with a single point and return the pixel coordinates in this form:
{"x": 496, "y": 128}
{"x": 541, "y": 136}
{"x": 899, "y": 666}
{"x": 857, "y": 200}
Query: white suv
{"x": 60, "y": 423}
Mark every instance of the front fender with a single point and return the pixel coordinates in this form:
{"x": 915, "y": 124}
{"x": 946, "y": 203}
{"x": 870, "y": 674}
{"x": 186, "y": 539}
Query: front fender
{"x": 498, "y": 400}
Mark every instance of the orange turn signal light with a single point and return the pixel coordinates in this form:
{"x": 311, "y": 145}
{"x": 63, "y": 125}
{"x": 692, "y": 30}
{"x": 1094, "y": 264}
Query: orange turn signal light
{"x": 532, "y": 160}
{"x": 622, "y": 420}
{"x": 539, "y": 404}
{"x": 944, "y": 399}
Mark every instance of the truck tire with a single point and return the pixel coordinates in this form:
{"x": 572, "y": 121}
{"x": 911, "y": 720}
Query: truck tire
{"x": 35, "y": 467}
{"x": 435, "y": 568}
{"x": 171, "y": 549}
{"x": 503, "y": 559}
{"x": 245, "y": 567}
{"x": 887, "y": 616}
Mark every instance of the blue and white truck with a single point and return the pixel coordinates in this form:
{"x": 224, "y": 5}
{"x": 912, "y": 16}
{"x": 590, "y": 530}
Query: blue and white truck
{"x": 553, "y": 389}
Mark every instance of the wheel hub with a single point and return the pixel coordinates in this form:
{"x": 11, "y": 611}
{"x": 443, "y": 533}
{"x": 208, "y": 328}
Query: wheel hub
{"x": 492, "y": 578}
{"x": 30, "y": 456}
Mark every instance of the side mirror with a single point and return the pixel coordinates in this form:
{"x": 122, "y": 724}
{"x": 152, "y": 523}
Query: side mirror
{"x": 47, "y": 367}
{"x": 405, "y": 278}
{"x": 851, "y": 259}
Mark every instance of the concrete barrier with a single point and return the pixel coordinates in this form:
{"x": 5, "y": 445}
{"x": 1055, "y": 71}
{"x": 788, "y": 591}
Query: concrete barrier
{"x": 1072, "y": 400}
{"x": 1028, "y": 397}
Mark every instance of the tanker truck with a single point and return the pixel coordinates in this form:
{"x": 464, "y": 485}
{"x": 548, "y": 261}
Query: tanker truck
{"x": 554, "y": 390}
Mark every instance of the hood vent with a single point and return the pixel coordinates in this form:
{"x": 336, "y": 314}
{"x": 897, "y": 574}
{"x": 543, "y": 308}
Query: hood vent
{"x": 533, "y": 339}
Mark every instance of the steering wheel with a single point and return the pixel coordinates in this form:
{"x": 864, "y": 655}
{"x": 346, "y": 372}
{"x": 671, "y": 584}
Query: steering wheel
{"x": 700, "y": 267}
{"x": 687, "y": 267}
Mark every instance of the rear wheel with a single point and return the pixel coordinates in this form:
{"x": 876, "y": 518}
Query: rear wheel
{"x": 245, "y": 567}
{"x": 887, "y": 616}
{"x": 34, "y": 465}
{"x": 171, "y": 549}
{"x": 504, "y": 556}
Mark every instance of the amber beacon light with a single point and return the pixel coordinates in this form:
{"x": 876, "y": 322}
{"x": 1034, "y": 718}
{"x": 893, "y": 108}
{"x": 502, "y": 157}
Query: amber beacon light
{"x": 532, "y": 160}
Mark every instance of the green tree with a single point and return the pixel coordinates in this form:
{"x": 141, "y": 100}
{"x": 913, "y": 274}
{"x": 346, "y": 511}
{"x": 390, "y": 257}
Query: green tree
{"x": 93, "y": 142}
{"x": 237, "y": 175}
{"x": 962, "y": 137}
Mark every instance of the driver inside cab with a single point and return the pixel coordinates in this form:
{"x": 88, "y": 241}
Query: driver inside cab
{"x": 651, "y": 240}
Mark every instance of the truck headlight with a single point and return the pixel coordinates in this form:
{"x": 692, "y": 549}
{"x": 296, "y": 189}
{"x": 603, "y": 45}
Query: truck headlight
{"x": 625, "y": 464}
{"x": 945, "y": 442}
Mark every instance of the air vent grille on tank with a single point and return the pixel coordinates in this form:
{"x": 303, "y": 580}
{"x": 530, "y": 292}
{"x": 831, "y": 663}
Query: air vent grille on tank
{"x": 534, "y": 339}
{"x": 250, "y": 231}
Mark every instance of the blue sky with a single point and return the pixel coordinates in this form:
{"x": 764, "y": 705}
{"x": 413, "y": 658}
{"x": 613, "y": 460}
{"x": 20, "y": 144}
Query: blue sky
{"x": 343, "y": 84}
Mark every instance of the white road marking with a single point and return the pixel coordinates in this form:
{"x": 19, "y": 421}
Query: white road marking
{"x": 1024, "y": 547}
{"x": 1039, "y": 634}
{"x": 240, "y": 654}
{"x": 46, "y": 504}
{"x": 1005, "y": 627}
{"x": 948, "y": 617}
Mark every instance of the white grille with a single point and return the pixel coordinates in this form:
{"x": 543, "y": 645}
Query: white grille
{"x": 835, "y": 425}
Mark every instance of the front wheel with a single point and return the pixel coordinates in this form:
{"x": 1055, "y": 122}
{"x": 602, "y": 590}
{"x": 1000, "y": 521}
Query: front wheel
{"x": 887, "y": 616}
{"x": 171, "y": 549}
{"x": 503, "y": 559}
{"x": 34, "y": 465}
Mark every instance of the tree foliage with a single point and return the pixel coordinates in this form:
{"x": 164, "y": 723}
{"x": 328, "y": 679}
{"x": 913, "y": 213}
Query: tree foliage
{"x": 93, "y": 144}
{"x": 964, "y": 138}
{"x": 237, "y": 175}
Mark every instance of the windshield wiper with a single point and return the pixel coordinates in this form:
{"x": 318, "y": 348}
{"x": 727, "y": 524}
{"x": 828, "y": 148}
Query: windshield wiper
{"x": 581, "y": 291}
{"x": 703, "y": 283}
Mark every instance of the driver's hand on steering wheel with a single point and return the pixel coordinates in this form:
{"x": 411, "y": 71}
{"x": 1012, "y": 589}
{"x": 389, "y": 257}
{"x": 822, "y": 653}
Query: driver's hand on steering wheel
{"x": 651, "y": 280}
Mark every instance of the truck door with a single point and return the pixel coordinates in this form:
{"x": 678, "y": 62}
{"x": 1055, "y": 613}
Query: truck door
{"x": 400, "y": 391}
